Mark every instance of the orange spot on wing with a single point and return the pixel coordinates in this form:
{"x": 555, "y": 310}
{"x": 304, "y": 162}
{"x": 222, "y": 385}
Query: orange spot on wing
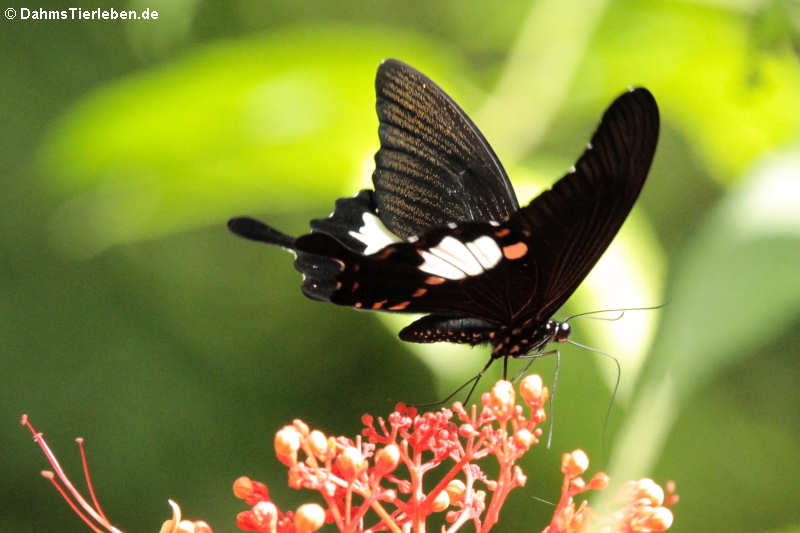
{"x": 419, "y": 292}
{"x": 502, "y": 233}
{"x": 357, "y": 305}
{"x": 434, "y": 280}
{"x": 515, "y": 251}
{"x": 400, "y": 306}
{"x": 378, "y": 305}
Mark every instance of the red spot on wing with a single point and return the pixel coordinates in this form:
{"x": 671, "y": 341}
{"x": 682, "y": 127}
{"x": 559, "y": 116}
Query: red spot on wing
{"x": 400, "y": 306}
{"x": 378, "y": 305}
{"x": 419, "y": 292}
{"x": 434, "y": 280}
{"x": 502, "y": 233}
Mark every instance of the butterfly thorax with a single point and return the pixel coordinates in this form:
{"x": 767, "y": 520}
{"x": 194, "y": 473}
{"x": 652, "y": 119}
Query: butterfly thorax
{"x": 518, "y": 341}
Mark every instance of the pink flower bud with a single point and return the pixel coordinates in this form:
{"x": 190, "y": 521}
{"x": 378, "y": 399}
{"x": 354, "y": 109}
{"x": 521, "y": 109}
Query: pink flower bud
{"x": 456, "y": 489}
{"x": 318, "y": 443}
{"x": 350, "y": 463}
{"x": 501, "y": 399}
{"x": 532, "y": 390}
{"x": 658, "y": 519}
{"x": 466, "y": 431}
{"x": 287, "y": 442}
{"x": 387, "y": 458}
{"x": 524, "y": 438}
{"x": 300, "y": 426}
{"x": 441, "y": 502}
{"x": 650, "y": 490}
{"x": 309, "y": 518}
{"x": 265, "y": 514}
{"x": 599, "y": 481}
{"x": 574, "y": 464}
{"x": 243, "y": 487}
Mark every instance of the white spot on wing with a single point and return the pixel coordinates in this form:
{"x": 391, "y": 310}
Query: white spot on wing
{"x": 486, "y": 251}
{"x": 439, "y": 267}
{"x": 374, "y": 234}
{"x": 454, "y": 252}
{"x": 494, "y": 223}
{"x": 452, "y": 259}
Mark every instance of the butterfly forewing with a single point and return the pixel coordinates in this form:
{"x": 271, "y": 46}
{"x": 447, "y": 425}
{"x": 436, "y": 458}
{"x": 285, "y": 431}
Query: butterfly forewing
{"x": 572, "y": 224}
{"x": 434, "y": 165}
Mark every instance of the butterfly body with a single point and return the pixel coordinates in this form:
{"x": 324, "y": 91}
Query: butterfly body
{"x": 442, "y": 232}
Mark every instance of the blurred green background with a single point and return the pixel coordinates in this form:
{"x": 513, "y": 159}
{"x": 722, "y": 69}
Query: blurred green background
{"x": 132, "y": 318}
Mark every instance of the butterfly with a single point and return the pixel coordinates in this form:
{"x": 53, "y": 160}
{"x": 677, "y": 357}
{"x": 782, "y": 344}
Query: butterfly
{"x": 442, "y": 232}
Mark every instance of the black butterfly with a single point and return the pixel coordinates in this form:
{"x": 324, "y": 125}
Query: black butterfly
{"x": 443, "y": 234}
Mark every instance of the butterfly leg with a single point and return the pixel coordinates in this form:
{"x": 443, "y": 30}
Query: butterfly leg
{"x": 473, "y": 380}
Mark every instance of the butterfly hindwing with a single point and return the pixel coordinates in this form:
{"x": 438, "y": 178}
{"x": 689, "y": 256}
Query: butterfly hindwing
{"x": 434, "y": 166}
{"x": 473, "y": 269}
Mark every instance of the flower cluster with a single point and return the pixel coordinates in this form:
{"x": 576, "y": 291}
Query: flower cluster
{"x": 375, "y": 482}
{"x": 645, "y": 509}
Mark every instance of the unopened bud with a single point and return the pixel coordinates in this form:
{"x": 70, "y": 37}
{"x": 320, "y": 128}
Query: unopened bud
{"x": 266, "y": 514}
{"x": 243, "y": 487}
{"x": 649, "y": 489}
{"x": 301, "y": 426}
{"x": 441, "y": 502}
{"x": 350, "y": 463}
{"x": 524, "y": 438}
{"x": 659, "y": 519}
{"x": 287, "y": 442}
{"x": 574, "y": 464}
{"x": 309, "y": 517}
{"x": 599, "y": 481}
{"x": 466, "y": 431}
{"x": 456, "y": 489}
{"x": 502, "y": 398}
{"x": 318, "y": 443}
{"x": 531, "y": 389}
{"x": 387, "y": 458}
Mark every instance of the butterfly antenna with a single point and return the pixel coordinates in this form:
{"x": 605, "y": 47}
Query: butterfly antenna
{"x": 616, "y": 384}
{"x": 621, "y": 312}
{"x": 474, "y": 380}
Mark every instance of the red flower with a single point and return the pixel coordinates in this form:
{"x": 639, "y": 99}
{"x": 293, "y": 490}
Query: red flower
{"x": 375, "y": 482}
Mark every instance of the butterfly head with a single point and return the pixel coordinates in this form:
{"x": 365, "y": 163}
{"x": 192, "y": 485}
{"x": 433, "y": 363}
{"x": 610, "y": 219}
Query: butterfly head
{"x": 560, "y": 331}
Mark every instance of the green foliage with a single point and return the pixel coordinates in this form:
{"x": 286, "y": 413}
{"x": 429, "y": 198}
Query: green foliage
{"x": 132, "y": 318}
